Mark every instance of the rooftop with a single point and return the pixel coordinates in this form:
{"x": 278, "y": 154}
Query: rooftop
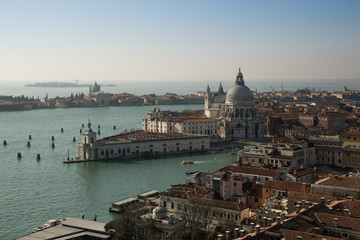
{"x": 143, "y": 136}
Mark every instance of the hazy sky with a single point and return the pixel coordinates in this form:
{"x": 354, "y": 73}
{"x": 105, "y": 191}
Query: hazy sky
{"x": 113, "y": 40}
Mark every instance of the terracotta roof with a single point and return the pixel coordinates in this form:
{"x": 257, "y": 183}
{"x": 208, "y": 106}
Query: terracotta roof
{"x": 343, "y": 222}
{"x": 340, "y": 181}
{"x": 218, "y": 204}
{"x": 187, "y": 193}
{"x": 309, "y": 197}
{"x": 292, "y": 235}
{"x": 353, "y": 206}
{"x": 251, "y": 170}
{"x": 300, "y": 172}
{"x": 286, "y": 185}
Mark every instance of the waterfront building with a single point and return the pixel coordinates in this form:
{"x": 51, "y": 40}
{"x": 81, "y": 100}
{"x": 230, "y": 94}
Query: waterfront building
{"x": 95, "y": 88}
{"x": 190, "y": 122}
{"x": 138, "y": 144}
{"x": 237, "y": 116}
{"x": 283, "y": 153}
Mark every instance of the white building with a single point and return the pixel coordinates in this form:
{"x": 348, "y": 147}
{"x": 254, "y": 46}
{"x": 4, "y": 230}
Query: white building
{"x": 191, "y": 122}
{"x": 138, "y": 144}
{"x": 236, "y": 113}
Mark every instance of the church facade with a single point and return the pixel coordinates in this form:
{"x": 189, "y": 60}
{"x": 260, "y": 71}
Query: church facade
{"x": 235, "y": 111}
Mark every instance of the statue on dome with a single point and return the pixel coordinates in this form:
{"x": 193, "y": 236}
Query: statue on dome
{"x": 240, "y": 78}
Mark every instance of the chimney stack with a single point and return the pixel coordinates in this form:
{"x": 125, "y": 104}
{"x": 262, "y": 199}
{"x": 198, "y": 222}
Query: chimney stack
{"x": 336, "y": 220}
{"x": 252, "y": 226}
{"x": 227, "y": 235}
{"x": 297, "y": 208}
{"x": 242, "y": 232}
{"x": 322, "y": 200}
{"x": 236, "y": 232}
{"x": 278, "y": 220}
{"x": 257, "y": 227}
{"x": 220, "y": 237}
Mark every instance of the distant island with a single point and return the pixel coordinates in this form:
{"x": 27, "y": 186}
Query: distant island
{"x": 62, "y": 85}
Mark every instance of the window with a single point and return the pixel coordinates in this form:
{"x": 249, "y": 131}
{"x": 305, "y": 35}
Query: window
{"x": 256, "y": 199}
{"x": 172, "y": 205}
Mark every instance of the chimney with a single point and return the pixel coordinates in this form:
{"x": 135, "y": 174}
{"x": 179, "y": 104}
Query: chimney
{"x": 252, "y": 226}
{"x": 350, "y": 197}
{"x": 299, "y": 237}
{"x": 322, "y": 200}
{"x": 242, "y": 232}
{"x": 236, "y": 232}
{"x": 336, "y": 220}
{"x": 306, "y": 204}
{"x": 257, "y": 228}
{"x": 303, "y": 204}
{"x": 227, "y": 235}
{"x": 297, "y": 208}
{"x": 268, "y": 222}
{"x": 328, "y": 202}
{"x": 278, "y": 220}
{"x": 264, "y": 224}
{"x": 282, "y": 216}
{"x": 317, "y": 230}
{"x": 346, "y": 212}
{"x": 314, "y": 168}
{"x": 220, "y": 237}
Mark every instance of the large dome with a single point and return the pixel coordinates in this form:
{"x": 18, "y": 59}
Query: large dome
{"x": 239, "y": 93}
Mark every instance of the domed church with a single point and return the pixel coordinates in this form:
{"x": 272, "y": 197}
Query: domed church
{"x": 237, "y": 115}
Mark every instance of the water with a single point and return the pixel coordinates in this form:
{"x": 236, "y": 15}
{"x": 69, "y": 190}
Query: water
{"x": 181, "y": 87}
{"x": 32, "y": 192}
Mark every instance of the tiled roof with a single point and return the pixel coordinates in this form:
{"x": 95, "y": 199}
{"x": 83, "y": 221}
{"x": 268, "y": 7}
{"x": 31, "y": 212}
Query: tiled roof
{"x": 291, "y": 234}
{"x": 286, "y": 185}
{"x": 187, "y": 193}
{"x": 309, "y": 197}
{"x": 251, "y": 170}
{"x": 353, "y": 206}
{"x": 340, "y": 181}
{"x": 218, "y": 204}
{"x": 343, "y": 222}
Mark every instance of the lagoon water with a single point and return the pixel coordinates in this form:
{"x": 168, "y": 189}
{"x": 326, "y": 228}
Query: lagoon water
{"x": 32, "y": 191}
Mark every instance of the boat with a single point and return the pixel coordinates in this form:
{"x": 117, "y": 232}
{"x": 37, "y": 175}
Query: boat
{"x": 48, "y": 224}
{"x": 231, "y": 153}
{"x": 190, "y": 173}
{"x": 187, "y": 162}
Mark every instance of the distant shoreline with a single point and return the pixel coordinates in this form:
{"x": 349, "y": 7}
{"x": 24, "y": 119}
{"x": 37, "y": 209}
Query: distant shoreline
{"x": 63, "y": 85}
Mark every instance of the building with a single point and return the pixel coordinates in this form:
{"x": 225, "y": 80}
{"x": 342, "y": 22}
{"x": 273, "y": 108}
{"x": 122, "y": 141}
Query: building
{"x": 138, "y": 144}
{"x": 332, "y": 121}
{"x": 351, "y": 149}
{"x": 196, "y": 205}
{"x": 189, "y": 122}
{"x": 237, "y": 115}
{"x": 338, "y": 186}
{"x": 328, "y": 150}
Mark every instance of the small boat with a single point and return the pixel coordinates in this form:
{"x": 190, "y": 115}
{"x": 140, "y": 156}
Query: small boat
{"x": 187, "y": 162}
{"x": 231, "y": 153}
{"x": 190, "y": 173}
{"x": 48, "y": 224}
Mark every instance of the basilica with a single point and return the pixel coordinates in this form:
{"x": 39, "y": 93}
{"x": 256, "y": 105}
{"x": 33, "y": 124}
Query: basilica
{"x": 235, "y": 112}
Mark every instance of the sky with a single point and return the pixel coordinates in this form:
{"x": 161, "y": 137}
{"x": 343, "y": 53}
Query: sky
{"x": 173, "y": 40}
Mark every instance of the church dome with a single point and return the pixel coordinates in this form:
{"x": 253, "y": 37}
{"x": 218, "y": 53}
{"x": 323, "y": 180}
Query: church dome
{"x": 159, "y": 212}
{"x": 239, "y": 93}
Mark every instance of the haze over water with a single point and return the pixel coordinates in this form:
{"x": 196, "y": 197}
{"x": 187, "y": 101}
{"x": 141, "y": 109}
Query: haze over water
{"x": 179, "y": 87}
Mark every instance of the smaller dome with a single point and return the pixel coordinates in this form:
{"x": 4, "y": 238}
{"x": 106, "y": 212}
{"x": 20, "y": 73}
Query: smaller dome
{"x": 239, "y": 93}
{"x": 159, "y": 212}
